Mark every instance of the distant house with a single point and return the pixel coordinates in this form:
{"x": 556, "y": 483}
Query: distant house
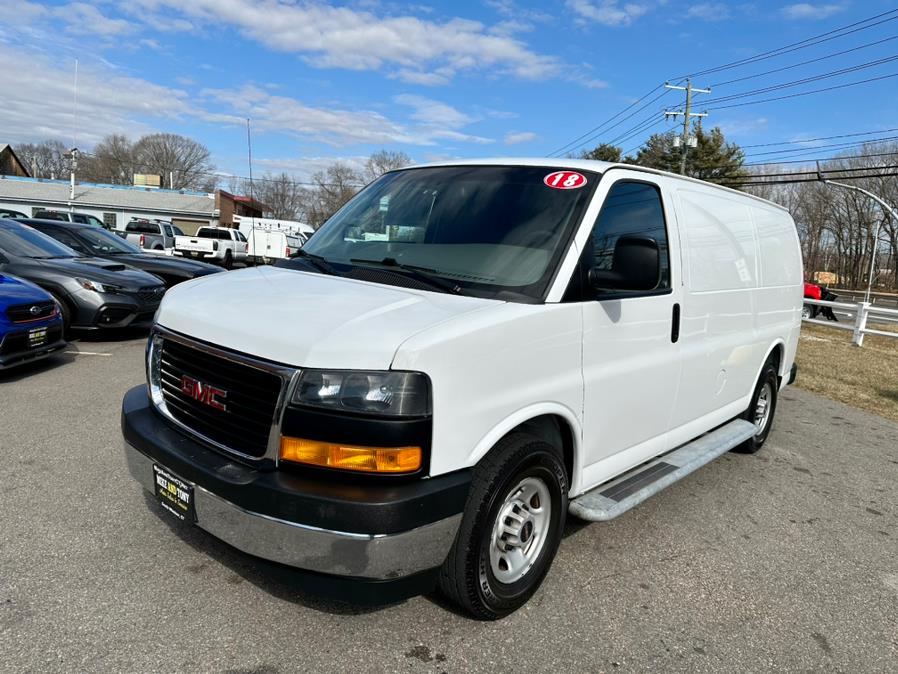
{"x": 116, "y": 205}
{"x": 10, "y": 164}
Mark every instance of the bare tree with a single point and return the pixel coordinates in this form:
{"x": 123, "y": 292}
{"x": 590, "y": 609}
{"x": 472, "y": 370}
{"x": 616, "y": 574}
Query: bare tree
{"x": 332, "y": 188}
{"x": 46, "y": 159}
{"x": 182, "y": 162}
{"x": 383, "y": 161}
{"x": 283, "y": 196}
{"x": 112, "y": 161}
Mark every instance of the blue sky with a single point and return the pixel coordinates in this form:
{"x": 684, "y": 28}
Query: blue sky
{"x": 324, "y": 81}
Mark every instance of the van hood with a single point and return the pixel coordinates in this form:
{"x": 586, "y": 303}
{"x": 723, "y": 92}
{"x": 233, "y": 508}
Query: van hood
{"x": 305, "y": 319}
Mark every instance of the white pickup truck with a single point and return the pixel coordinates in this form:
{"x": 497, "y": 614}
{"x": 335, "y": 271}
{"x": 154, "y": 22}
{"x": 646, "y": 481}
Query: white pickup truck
{"x": 213, "y": 244}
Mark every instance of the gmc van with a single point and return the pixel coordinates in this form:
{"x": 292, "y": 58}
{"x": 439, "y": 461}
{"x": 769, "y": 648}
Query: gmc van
{"x": 461, "y": 356}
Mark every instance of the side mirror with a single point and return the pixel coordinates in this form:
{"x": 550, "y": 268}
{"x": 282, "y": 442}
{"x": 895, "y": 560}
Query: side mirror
{"x": 636, "y": 265}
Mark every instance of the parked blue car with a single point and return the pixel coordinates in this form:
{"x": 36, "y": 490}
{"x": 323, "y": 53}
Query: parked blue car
{"x": 30, "y": 322}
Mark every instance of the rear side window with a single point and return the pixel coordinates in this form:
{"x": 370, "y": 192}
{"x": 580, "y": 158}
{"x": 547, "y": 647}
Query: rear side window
{"x": 631, "y": 208}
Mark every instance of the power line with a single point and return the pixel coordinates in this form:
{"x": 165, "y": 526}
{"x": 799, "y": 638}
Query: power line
{"x": 590, "y": 136}
{"x": 804, "y": 63}
{"x": 806, "y": 93}
{"x": 806, "y": 80}
{"x": 840, "y": 146}
{"x": 802, "y": 44}
{"x": 791, "y": 181}
{"x": 812, "y": 140}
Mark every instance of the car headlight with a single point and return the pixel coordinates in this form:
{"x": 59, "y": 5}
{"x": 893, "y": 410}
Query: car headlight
{"x": 87, "y": 284}
{"x": 404, "y": 394}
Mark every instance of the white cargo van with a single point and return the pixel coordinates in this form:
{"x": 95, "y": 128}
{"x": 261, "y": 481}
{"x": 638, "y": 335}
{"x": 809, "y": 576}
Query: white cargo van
{"x": 264, "y": 246}
{"x": 514, "y": 341}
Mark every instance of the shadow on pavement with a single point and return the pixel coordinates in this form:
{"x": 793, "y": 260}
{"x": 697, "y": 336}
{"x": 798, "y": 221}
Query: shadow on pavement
{"x": 286, "y": 583}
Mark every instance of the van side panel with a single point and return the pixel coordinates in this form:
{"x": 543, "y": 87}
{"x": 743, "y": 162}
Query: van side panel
{"x": 719, "y": 344}
{"x": 781, "y": 290}
{"x": 491, "y": 370}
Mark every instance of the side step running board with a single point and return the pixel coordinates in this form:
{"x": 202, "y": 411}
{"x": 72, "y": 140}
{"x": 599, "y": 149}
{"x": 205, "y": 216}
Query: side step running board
{"x": 611, "y": 499}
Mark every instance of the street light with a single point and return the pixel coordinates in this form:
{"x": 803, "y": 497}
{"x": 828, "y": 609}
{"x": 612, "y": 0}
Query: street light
{"x": 884, "y": 206}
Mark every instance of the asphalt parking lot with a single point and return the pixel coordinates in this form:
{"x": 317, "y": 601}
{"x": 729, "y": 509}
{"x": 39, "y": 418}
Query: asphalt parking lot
{"x": 784, "y": 560}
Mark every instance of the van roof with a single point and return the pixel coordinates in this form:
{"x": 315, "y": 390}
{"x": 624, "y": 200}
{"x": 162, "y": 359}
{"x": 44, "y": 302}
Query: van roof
{"x": 587, "y": 165}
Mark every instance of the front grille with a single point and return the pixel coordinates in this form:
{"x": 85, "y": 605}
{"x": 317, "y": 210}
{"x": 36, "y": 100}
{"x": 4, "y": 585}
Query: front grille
{"x": 20, "y": 342}
{"x": 34, "y": 311}
{"x": 251, "y": 397}
{"x": 150, "y": 294}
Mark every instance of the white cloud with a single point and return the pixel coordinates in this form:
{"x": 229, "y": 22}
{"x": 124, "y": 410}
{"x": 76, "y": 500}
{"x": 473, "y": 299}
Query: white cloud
{"x": 606, "y": 12}
{"x": 806, "y": 10}
{"x": 351, "y": 38}
{"x": 109, "y": 102}
{"x": 433, "y": 113}
{"x": 709, "y": 11}
{"x": 742, "y": 127}
{"x": 522, "y": 137}
{"x": 84, "y": 19}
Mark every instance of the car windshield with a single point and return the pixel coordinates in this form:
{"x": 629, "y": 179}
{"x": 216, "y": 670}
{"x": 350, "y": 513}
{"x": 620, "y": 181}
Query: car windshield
{"x": 102, "y": 242}
{"x": 489, "y": 230}
{"x": 24, "y": 241}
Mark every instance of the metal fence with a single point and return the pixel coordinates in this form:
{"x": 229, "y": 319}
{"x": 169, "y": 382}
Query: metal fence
{"x": 862, "y": 313}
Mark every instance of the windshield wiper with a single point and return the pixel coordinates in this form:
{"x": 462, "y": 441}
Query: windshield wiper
{"x": 317, "y": 261}
{"x": 423, "y": 274}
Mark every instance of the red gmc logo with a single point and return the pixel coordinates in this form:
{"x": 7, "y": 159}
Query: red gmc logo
{"x": 205, "y": 393}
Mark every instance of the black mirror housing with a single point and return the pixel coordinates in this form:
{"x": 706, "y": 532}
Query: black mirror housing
{"x": 636, "y": 266}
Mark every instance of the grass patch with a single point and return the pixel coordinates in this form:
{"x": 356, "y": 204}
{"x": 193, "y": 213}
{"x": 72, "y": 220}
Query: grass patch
{"x": 865, "y": 377}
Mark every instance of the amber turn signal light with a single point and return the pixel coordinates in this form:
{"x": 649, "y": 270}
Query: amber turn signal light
{"x": 351, "y": 457}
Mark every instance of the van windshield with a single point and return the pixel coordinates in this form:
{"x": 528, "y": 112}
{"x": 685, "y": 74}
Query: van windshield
{"x": 488, "y": 230}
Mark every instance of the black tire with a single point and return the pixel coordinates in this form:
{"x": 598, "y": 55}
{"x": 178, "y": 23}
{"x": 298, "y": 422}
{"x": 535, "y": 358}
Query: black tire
{"x": 228, "y": 260}
{"x": 66, "y": 313}
{"x": 769, "y": 379}
{"x": 467, "y": 577}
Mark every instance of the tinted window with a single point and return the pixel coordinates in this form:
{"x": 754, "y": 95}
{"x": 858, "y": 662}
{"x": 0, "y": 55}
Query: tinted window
{"x": 203, "y": 233}
{"x": 102, "y": 242}
{"x": 631, "y": 208}
{"x": 68, "y": 239}
{"x": 109, "y": 220}
{"x": 168, "y": 231}
{"x": 178, "y": 231}
{"x": 25, "y": 241}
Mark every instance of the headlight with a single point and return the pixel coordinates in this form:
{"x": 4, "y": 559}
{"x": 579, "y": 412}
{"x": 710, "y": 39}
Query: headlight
{"x": 404, "y": 394}
{"x": 87, "y": 284}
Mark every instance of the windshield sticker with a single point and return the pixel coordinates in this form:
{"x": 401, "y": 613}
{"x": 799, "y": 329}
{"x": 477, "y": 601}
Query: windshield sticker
{"x": 565, "y": 180}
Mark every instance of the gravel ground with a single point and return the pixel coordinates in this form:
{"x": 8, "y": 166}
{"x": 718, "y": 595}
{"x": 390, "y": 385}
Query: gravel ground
{"x": 784, "y": 560}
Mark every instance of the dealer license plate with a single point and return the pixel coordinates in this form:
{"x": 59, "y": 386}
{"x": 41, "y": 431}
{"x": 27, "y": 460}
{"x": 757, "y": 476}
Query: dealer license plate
{"x": 37, "y": 337}
{"x": 174, "y": 494}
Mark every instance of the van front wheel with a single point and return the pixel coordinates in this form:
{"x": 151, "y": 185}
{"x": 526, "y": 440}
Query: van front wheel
{"x": 511, "y": 528}
{"x": 761, "y": 410}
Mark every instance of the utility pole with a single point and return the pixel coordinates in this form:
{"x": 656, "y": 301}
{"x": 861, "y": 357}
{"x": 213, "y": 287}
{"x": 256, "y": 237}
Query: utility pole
{"x": 687, "y": 139}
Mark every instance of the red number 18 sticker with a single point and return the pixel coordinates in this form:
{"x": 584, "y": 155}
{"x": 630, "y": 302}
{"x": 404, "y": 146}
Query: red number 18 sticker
{"x": 565, "y": 180}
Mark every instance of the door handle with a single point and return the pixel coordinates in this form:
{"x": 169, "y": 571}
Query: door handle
{"x": 675, "y": 324}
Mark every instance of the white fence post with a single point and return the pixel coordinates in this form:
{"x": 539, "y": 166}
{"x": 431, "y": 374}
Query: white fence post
{"x": 860, "y": 323}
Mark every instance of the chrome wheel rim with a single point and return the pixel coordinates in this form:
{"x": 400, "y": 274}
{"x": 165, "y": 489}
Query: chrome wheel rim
{"x": 520, "y": 530}
{"x": 762, "y": 407}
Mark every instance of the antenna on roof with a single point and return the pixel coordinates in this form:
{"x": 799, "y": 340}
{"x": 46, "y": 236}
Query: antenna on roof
{"x": 252, "y": 198}
{"x": 74, "y": 150}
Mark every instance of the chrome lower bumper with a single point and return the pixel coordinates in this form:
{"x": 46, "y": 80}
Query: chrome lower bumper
{"x": 375, "y": 557}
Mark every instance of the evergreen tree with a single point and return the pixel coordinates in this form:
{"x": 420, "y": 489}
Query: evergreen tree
{"x": 713, "y": 159}
{"x": 603, "y": 152}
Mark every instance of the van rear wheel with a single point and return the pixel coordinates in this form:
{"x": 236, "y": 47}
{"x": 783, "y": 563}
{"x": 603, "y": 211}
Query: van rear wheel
{"x": 511, "y": 528}
{"x": 762, "y": 408}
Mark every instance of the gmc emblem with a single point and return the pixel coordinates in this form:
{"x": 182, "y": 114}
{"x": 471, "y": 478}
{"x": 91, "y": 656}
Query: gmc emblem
{"x": 204, "y": 393}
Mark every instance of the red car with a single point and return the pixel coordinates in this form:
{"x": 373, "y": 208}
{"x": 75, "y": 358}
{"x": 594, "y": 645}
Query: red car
{"x": 814, "y": 292}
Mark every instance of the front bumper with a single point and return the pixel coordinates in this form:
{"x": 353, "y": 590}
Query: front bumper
{"x": 15, "y": 348}
{"x": 112, "y": 310}
{"x": 360, "y": 531}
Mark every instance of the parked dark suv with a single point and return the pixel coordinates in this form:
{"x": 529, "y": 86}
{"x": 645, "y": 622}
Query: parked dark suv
{"x": 92, "y": 292}
{"x": 92, "y": 242}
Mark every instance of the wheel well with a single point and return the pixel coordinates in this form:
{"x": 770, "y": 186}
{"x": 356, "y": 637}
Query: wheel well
{"x": 776, "y": 357}
{"x": 557, "y": 432}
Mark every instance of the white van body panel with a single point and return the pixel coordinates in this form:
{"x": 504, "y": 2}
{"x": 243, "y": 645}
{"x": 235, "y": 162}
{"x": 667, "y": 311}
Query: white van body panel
{"x": 308, "y": 320}
{"x": 494, "y": 369}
